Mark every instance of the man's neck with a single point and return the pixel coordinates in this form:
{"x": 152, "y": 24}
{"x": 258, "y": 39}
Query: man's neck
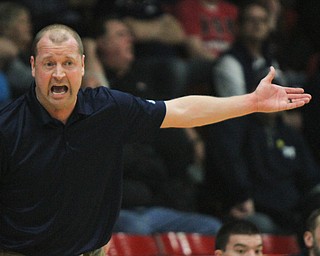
{"x": 255, "y": 48}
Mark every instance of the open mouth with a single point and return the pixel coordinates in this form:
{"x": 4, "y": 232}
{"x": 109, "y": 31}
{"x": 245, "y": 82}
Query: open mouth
{"x": 59, "y": 89}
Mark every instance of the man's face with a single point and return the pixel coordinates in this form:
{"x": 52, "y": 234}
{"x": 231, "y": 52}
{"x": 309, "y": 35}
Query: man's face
{"x": 244, "y": 245}
{"x": 58, "y": 71}
{"x": 20, "y": 30}
{"x": 116, "y": 46}
{"x": 312, "y": 240}
{"x": 256, "y": 24}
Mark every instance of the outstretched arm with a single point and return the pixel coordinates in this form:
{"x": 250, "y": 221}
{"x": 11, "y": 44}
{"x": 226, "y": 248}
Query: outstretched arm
{"x": 192, "y": 111}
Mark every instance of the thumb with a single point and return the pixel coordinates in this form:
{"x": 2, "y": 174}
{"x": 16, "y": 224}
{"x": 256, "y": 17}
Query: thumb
{"x": 270, "y": 76}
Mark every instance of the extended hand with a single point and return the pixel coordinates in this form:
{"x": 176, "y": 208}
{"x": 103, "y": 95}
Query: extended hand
{"x": 272, "y": 97}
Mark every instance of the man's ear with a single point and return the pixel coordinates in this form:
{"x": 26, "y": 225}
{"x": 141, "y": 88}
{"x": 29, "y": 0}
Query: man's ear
{"x": 308, "y": 239}
{"x": 218, "y": 252}
{"x": 32, "y": 64}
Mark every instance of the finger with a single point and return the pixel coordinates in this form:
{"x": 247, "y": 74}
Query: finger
{"x": 293, "y": 90}
{"x": 304, "y": 96}
{"x": 270, "y": 76}
{"x": 296, "y": 104}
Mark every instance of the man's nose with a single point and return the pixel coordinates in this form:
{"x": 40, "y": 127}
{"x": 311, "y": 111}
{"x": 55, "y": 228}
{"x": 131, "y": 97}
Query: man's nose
{"x": 251, "y": 252}
{"x": 59, "y": 72}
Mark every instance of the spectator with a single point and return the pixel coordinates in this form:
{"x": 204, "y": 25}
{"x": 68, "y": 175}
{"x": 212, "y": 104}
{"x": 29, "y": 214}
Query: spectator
{"x": 249, "y": 56}
{"x": 241, "y": 153}
{"x": 158, "y": 39}
{"x": 311, "y": 234}
{"x": 209, "y": 27}
{"x": 16, "y": 34}
{"x": 155, "y": 200}
{"x": 157, "y": 32}
{"x": 238, "y": 238}
{"x": 113, "y": 53}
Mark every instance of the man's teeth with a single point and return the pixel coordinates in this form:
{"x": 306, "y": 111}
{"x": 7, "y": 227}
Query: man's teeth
{"x": 59, "y": 89}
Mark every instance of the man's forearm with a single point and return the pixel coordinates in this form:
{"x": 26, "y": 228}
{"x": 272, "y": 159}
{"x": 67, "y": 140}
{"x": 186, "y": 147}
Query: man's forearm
{"x": 193, "y": 111}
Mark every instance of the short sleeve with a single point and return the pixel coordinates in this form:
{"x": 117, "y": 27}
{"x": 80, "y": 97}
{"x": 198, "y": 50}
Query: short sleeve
{"x": 142, "y": 118}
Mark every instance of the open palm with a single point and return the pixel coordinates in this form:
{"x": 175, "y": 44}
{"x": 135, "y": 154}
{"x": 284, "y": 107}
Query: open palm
{"x": 272, "y": 97}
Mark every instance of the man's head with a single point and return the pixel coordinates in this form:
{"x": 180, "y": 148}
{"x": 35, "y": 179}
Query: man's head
{"x": 312, "y": 234}
{"x": 15, "y": 24}
{"x": 115, "y": 44}
{"x": 57, "y": 64}
{"x": 253, "y": 22}
{"x": 239, "y": 237}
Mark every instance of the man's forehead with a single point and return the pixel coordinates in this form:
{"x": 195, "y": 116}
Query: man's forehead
{"x": 46, "y": 43}
{"x": 249, "y": 240}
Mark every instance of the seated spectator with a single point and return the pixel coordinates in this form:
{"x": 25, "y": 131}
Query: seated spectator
{"x": 15, "y": 39}
{"x": 209, "y": 28}
{"x": 238, "y": 238}
{"x": 156, "y": 200}
{"x": 311, "y": 234}
{"x": 157, "y": 33}
{"x": 209, "y": 25}
{"x": 249, "y": 55}
{"x": 261, "y": 168}
{"x": 112, "y": 55}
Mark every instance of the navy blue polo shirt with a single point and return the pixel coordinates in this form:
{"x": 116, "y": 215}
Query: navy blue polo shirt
{"x": 60, "y": 185}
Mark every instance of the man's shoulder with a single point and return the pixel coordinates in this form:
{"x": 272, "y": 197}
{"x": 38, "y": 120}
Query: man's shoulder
{"x": 101, "y": 93}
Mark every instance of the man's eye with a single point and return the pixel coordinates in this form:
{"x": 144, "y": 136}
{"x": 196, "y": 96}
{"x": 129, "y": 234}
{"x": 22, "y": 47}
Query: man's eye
{"x": 69, "y": 63}
{"x": 49, "y": 64}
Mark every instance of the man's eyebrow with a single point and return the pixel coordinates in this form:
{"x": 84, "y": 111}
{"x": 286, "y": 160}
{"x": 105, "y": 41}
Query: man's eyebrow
{"x": 240, "y": 245}
{"x": 245, "y": 246}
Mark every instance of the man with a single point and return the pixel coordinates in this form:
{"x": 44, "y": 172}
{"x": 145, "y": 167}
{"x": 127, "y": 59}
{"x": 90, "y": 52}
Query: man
{"x": 209, "y": 28}
{"x": 111, "y": 56}
{"x": 238, "y": 238}
{"x": 312, "y": 234}
{"x": 61, "y": 147}
{"x": 15, "y": 40}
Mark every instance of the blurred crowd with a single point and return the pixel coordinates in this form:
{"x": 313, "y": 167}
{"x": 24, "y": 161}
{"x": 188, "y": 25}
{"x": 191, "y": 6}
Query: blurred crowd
{"x": 263, "y": 167}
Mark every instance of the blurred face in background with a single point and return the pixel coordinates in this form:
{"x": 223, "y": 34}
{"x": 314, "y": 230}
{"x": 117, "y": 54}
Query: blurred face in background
{"x": 255, "y": 25}
{"x": 19, "y": 30}
{"x": 116, "y": 46}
